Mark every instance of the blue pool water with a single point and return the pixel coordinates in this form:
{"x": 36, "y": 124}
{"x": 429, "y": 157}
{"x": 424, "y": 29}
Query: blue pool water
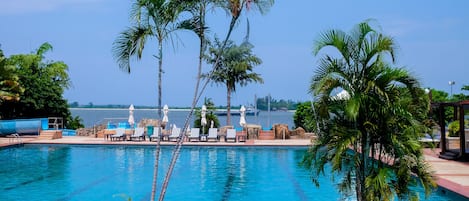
{"x": 79, "y": 172}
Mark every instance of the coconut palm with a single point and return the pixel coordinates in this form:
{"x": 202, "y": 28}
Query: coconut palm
{"x": 372, "y": 119}
{"x": 197, "y": 24}
{"x": 235, "y": 66}
{"x": 234, "y": 7}
{"x": 10, "y": 88}
{"x": 153, "y": 19}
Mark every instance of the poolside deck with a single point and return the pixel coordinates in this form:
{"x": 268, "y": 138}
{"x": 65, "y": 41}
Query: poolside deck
{"x": 452, "y": 175}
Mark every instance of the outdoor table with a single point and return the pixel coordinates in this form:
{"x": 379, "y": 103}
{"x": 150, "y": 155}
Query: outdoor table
{"x": 108, "y": 132}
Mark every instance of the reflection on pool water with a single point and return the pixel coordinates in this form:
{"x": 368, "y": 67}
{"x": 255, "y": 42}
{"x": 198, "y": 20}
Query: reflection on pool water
{"x": 79, "y": 172}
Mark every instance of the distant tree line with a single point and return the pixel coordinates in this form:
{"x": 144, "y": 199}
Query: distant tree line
{"x": 263, "y": 104}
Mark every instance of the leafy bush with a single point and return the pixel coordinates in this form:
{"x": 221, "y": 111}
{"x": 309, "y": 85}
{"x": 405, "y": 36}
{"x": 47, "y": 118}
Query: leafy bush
{"x": 304, "y": 117}
{"x": 453, "y": 128}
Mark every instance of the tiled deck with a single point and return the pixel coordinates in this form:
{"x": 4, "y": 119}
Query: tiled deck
{"x": 452, "y": 175}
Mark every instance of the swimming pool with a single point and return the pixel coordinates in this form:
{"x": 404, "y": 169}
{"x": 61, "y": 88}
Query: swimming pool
{"x": 90, "y": 172}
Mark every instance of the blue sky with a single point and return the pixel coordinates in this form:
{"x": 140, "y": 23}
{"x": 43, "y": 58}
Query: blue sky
{"x": 433, "y": 37}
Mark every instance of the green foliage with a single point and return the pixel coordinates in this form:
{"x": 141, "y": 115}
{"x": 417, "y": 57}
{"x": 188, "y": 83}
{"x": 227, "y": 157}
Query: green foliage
{"x": 210, "y": 116}
{"x": 453, "y": 128}
{"x": 305, "y": 118}
{"x": 10, "y": 88}
{"x": 151, "y": 20}
{"x": 235, "y": 65}
{"x": 262, "y": 104}
{"x": 44, "y": 83}
{"x": 379, "y": 120}
{"x": 75, "y": 123}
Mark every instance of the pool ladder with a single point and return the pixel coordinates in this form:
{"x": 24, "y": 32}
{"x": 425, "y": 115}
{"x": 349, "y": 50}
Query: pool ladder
{"x": 16, "y": 139}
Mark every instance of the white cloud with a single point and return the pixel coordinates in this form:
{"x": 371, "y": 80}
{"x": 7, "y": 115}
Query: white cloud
{"x": 37, "y": 6}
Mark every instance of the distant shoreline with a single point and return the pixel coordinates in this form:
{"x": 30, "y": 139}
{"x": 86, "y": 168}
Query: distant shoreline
{"x": 148, "y": 109}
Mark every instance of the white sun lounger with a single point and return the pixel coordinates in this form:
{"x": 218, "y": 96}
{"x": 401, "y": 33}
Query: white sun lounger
{"x": 156, "y": 134}
{"x": 174, "y": 134}
{"x": 194, "y": 134}
{"x": 120, "y": 134}
{"x": 231, "y": 134}
{"x": 139, "y": 134}
{"x": 212, "y": 134}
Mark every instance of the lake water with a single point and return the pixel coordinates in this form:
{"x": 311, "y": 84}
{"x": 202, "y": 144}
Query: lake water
{"x": 93, "y": 117}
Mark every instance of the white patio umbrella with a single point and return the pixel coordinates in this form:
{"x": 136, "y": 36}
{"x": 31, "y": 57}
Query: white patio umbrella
{"x": 131, "y": 115}
{"x": 242, "y": 116}
{"x": 203, "y": 116}
{"x": 165, "y": 114}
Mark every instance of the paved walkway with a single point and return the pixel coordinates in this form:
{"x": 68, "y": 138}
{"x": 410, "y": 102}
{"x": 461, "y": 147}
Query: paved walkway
{"x": 452, "y": 175}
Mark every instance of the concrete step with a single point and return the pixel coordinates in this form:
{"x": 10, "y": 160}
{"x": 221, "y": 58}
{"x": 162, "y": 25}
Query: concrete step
{"x": 50, "y": 134}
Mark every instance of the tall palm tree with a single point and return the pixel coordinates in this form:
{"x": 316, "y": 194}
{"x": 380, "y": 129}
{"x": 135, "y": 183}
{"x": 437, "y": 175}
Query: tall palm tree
{"x": 235, "y": 7}
{"x": 10, "y": 88}
{"x": 372, "y": 118}
{"x": 197, "y": 24}
{"x": 153, "y": 19}
{"x": 235, "y": 66}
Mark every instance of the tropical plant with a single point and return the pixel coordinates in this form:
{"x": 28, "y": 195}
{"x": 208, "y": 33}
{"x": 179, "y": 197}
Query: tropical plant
{"x": 44, "y": 83}
{"x": 197, "y": 24}
{"x": 10, "y": 88}
{"x": 453, "y": 128}
{"x": 369, "y": 135}
{"x": 305, "y": 117}
{"x": 153, "y": 19}
{"x": 75, "y": 122}
{"x": 210, "y": 116}
{"x": 465, "y": 87}
{"x": 235, "y": 7}
{"x": 235, "y": 66}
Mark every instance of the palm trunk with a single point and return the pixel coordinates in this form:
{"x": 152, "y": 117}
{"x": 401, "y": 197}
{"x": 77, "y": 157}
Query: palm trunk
{"x": 157, "y": 151}
{"x": 160, "y": 74}
{"x": 228, "y": 105}
{"x": 155, "y": 169}
{"x": 179, "y": 144}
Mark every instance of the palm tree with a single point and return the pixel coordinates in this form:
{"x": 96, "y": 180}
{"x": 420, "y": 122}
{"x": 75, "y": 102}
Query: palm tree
{"x": 372, "y": 118}
{"x": 234, "y": 7}
{"x": 153, "y": 18}
{"x": 197, "y": 24}
{"x": 235, "y": 66}
{"x": 10, "y": 88}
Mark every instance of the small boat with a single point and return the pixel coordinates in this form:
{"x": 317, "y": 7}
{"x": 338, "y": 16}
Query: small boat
{"x": 235, "y": 112}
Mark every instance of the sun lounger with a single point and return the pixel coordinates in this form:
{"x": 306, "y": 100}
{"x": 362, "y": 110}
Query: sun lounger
{"x": 231, "y": 134}
{"x": 139, "y": 134}
{"x": 174, "y": 134}
{"x": 194, "y": 134}
{"x": 212, "y": 134}
{"x": 120, "y": 134}
{"x": 156, "y": 134}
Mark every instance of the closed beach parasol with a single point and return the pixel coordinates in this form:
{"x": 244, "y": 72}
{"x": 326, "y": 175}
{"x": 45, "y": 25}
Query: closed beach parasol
{"x": 203, "y": 114}
{"x": 242, "y": 116}
{"x": 165, "y": 114}
{"x": 131, "y": 115}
